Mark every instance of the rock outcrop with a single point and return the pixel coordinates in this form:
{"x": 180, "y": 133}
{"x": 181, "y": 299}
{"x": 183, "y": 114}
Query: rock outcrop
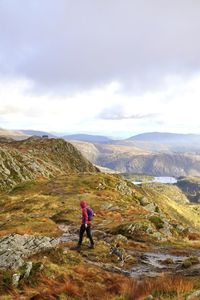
{"x": 38, "y": 157}
{"x": 15, "y": 248}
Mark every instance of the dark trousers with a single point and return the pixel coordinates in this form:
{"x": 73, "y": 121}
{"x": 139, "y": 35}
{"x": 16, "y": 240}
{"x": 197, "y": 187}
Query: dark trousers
{"x": 89, "y": 234}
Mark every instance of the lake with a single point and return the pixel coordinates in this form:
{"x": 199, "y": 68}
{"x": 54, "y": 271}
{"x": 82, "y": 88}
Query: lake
{"x": 161, "y": 179}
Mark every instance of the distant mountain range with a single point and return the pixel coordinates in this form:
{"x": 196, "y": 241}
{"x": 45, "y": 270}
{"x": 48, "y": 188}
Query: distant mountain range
{"x": 158, "y": 154}
{"x": 164, "y": 142}
{"x": 165, "y": 137}
{"x": 88, "y": 138}
{"x": 152, "y": 141}
{"x": 129, "y": 159}
{"x": 148, "y": 140}
{"x": 155, "y": 153}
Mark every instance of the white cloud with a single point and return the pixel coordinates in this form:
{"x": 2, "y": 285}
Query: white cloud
{"x": 174, "y": 109}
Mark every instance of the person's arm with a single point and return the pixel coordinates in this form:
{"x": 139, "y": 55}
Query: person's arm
{"x": 85, "y": 216}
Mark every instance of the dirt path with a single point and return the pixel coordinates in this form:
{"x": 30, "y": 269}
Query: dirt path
{"x": 151, "y": 264}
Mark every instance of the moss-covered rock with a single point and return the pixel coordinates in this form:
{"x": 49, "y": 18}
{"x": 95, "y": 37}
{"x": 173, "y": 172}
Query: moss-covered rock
{"x": 188, "y": 262}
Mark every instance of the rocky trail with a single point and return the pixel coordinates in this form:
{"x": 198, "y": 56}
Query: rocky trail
{"x": 152, "y": 264}
{"x": 15, "y": 249}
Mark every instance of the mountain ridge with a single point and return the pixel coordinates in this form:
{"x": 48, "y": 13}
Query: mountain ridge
{"x": 163, "y": 136}
{"x": 39, "y": 157}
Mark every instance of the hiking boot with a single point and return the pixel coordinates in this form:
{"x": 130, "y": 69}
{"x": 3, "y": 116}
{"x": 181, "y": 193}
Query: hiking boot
{"x": 77, "y": 248}
{"x": 91, "y": 247}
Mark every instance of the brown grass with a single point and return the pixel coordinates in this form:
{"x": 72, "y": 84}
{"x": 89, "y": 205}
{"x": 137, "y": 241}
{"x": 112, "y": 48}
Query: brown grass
{"x": 24, "y": 230}
{"x": 194, "y": 236}
{"x": 137, "y": 211}
{"x": 173, "y": 285}
{"x": 83, "y": 283}
{"x": 50, "y": 289}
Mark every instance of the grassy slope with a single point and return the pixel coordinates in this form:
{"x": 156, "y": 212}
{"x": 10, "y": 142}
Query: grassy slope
{"x": 37, "y": 208}
{"x": 188, "y": 214}
{"x": 191, "y": 187}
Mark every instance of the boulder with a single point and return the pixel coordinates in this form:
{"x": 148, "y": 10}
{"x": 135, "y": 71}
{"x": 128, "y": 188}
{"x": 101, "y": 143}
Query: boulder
{"x": 15, "y": 248}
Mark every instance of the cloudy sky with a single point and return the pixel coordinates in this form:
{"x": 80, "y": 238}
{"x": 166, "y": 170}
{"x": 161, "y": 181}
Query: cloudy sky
{"x": 111, "y": 67}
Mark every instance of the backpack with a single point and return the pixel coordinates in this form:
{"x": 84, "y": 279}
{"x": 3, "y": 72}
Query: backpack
{"x": 90, "y": 213}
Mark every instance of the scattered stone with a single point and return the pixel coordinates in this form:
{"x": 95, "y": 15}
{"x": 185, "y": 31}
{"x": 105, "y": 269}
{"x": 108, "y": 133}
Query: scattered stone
{"x": 144, "y": 201}
{"x": 101, "y": 186}
{"x": 106, "y": 206}
{"x": 99, "y": 234}
{"x": 194, "y": 296}
{"x": 15, "y": 279}
{"x": 150, "y": 297}
{"x": 158, "y": 236}
{"x": 167, "y": 228}
{"x": 152, "y": 207}
{"x": 29, "y": 266}
{"x": 168, "y": 261}
{"x": 188, "y": 262}
{"x": 123, "y": 188}
{"x": 119, "y": 239}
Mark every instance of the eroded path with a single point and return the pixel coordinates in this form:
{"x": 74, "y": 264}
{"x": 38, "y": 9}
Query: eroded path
{"x": 153, "y": 263}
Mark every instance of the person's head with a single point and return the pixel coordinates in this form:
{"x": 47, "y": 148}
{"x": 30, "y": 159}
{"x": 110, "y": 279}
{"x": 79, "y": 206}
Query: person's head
{"x": 83, "y": 203}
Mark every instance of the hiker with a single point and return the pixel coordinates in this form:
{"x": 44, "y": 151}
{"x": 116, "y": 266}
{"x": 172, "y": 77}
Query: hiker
{"x": 87, "y": 214}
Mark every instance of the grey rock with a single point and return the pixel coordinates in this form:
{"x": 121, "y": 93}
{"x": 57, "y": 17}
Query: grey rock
{"x": 151, "y": 207}
{"x": 15, "y": 248}
{"x": 101, "y": 186}
{"x": 167, "y": 228}
{"x": 119, "y": 239}
{"x": 124, "y": 189}
{"x": 150, "y": 297}
{"x": 99, "y": 234}
{"x": 15, "y": 279}
{"x": 29, "y": 266}
{"x": 194, "y": 295}
{"x": 107, "y": 206}
{"x": 144, "y": 201}
{"x": 158, "y": 236}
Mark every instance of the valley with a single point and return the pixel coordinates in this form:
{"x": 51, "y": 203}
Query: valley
{"x": 131, "y": 159}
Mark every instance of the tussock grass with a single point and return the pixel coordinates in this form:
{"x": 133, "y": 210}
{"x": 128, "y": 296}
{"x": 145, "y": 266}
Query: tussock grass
{"x": 164, "y": 287}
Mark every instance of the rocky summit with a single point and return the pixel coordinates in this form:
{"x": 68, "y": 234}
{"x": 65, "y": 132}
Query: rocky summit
{"x": 39, "y": 157}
